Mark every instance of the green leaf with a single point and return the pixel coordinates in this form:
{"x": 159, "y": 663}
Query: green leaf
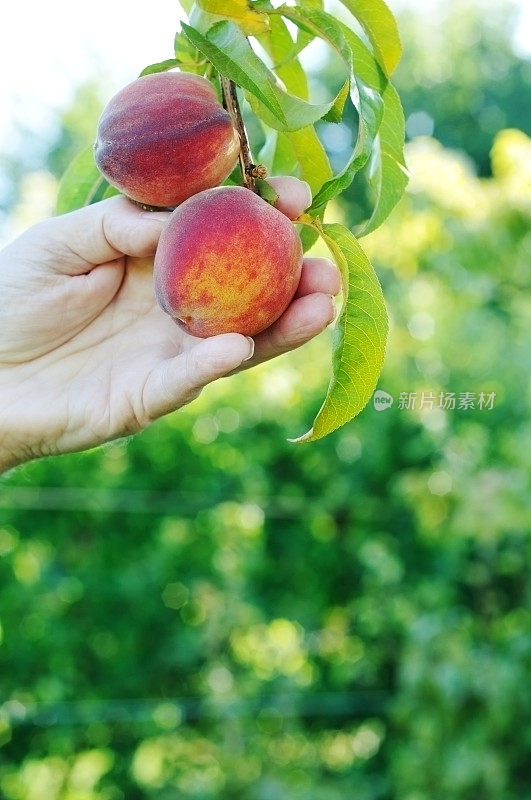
{"x": 304, "y": 35}
{"x": 380, "y": 26}
{"x": 309, "y": 236}
{"x": 304, "y": 38}
{"x": 393, "y": 127}
{"x": 366, "y": 99}
{"x": 284, "y": 159}
{"x": 311, "y": 155}
{"x": 388, "y": 174}
{"x": 161, "y": 66}
{"x": 366, "y": 65}
{"x": 314, "y": 169}
{"x": 359, "y": 337}
{"x": 110, "y": 191}
{"x": 277, "y": 154}
{"x": 231, "y": 54}
{"x": 278, "y": 44}
{"x": 183, "y": 49}
{"x": 188, "y": 56}
{"x": 251, "y": 21}
{"x": 81, "y": 184}
{"x": 336, "y": 112}
{"x": 391, "y": 179}
{"x": 306, "y": 147}
{"x": 266, "y": 153}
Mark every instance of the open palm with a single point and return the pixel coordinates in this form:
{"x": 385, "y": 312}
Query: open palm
{"x": 86, "y": 355}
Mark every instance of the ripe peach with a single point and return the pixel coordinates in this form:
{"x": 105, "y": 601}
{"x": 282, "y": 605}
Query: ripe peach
{"x": 165, "y": 137}
{"x": 227, "y": 262}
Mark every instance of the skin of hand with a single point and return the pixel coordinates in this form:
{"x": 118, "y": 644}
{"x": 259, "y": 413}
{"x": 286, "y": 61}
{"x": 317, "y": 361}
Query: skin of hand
{"x": 86, "y": 355}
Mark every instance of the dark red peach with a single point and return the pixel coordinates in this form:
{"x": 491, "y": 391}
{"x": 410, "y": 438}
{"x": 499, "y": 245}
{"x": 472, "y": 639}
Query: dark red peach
{"x": 165, "y": 137}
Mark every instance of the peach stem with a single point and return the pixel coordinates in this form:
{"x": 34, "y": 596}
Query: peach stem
{"x": 231, "y": 103}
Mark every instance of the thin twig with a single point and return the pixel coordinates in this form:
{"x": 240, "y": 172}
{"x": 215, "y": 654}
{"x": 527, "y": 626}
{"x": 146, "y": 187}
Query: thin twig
{"x": 232, "y": 105}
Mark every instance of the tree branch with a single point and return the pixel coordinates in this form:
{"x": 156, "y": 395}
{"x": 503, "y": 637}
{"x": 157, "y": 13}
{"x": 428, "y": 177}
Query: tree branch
{"x": 249, "y": 170}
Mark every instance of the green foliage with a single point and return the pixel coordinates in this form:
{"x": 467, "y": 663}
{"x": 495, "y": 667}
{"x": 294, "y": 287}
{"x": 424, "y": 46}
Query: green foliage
{"x": 380, "y": 26}
{"x": 251, "y": 21}
{"x": 81, "y": 184}
{"x": 77, "y": 125}
{"x": 360, "y": 335}
{"x": 216, "y": 40}
{"x": 206, "y": 612}
{"x": 367, "y": 101}
{"x": 231, "y": 54}
{"x": 161, "y": 66}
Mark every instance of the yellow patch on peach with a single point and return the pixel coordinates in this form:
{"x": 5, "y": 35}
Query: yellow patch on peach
{"x": 227, "y": 262}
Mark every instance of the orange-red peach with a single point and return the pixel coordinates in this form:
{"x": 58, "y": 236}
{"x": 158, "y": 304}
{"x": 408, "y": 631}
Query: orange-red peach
{"x": 227, "y": 262}
{"x": 165, "y": 137}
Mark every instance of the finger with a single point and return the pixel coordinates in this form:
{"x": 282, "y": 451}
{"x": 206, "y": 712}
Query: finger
{"x": 303, "y": 319}
{"x": 319, "y": 275}
{"x": 178, "y": 380}
{"x": 294, "y": 196}
{"x": 97, "y": 234}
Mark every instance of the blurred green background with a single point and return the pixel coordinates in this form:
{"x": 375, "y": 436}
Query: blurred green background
{"x": 207, "y": 611}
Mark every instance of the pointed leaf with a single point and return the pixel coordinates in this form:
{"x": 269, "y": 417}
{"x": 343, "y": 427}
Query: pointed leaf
{"x": 336, "y": 112}
{"x": 251, "y": 21}
{"x": 391, "y": 179}
{"x": 366, "y": 99}
{"x": 305, "y": 144}
{"x": 186, "y": 5}
{"x": 81, "y": 184}
{"x": 389, "y": 176}
{"x": 278, "y": 44}
{"x": 388, "y": 173}
{"x": 188, "y": 56}
{"x": 380, "y": 26}
{"x": 110, "y": 191}
{"x": 311, "y": 155}
{"x": 231, "y": 54}
{"x": 161, "y": 66}
{"x": 359, "y": 337}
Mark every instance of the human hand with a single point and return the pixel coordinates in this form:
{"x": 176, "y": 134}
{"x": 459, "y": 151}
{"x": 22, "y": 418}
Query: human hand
{"x": 86, "y": 355}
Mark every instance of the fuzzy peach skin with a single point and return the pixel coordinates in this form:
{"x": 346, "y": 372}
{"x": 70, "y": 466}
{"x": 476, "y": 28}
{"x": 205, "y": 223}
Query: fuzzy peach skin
{"x": 165, "y": 137}
{"x": 227, "y": 262}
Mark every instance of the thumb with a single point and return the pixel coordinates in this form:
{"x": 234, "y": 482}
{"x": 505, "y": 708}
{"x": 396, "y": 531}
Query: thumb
{"x": 177, "y": 381}
{"x": 97, "y": 234}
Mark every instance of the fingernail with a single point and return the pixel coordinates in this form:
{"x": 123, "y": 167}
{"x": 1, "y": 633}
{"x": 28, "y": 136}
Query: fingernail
{"x": 251, "y": 354}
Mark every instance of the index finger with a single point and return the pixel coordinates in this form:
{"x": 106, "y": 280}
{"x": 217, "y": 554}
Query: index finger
{"x": 294, "y": 196}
